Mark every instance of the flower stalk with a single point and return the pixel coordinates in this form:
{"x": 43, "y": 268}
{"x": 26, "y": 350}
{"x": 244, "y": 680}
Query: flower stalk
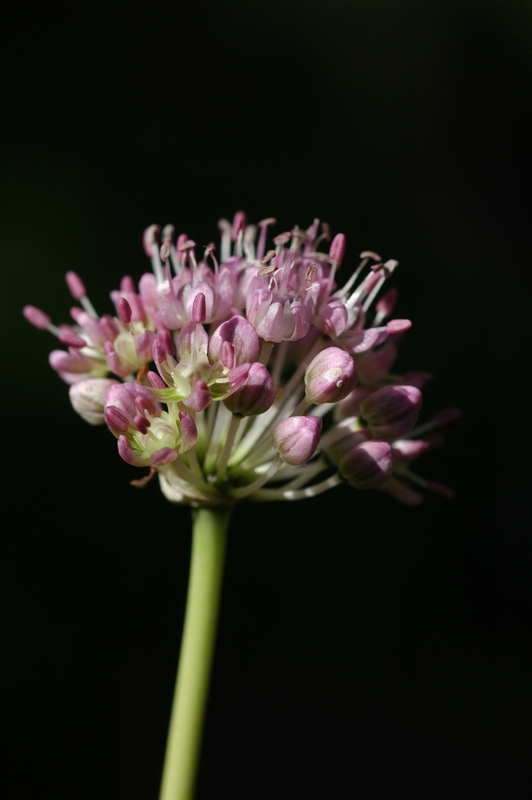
{"x": 250, "y": 377}
{"x": 209, "y": 536}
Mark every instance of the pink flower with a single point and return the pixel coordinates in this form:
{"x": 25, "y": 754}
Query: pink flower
{"x": 250, "y": 374}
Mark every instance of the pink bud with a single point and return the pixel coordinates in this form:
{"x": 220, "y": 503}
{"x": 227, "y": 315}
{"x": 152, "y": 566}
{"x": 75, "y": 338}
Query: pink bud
{"x": 256, "y": 394}
{"x": 368, "y": 466}
{"x": 392, "y": 411}
{"x": 241, "y": 334}
{"x": 295, "y": 439}
{"x": 330, "y": 376}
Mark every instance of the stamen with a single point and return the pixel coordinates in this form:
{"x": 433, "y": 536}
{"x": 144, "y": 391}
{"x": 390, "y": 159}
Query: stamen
{"x": 141, "y": 483}
{"x": 77, "y": 290}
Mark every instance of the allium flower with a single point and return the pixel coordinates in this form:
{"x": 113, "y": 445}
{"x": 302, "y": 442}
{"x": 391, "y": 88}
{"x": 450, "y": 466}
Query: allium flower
{"x": 249, "y": 376}
{"x": 198, "y": 371}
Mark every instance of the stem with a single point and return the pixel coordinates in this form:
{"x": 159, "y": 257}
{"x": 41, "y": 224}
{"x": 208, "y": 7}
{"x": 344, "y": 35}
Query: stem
{"x": 210, "y": 527}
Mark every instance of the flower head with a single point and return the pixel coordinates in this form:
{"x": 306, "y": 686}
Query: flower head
{"x": 250, "y": 375}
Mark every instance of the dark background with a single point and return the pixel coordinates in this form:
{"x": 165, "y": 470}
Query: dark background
{"x": 366, "y": 649}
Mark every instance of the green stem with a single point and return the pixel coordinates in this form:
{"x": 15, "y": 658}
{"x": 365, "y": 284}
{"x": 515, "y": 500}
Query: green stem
{"x": 210, "y": 527}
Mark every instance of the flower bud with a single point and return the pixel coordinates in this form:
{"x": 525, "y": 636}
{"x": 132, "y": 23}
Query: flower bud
{"x": 392, "y": 411}
{"x": 239, "y": 333}
{"x": 330, "y": 376}
{"x": 368, "y": 466}
{"x": 295, "y": 439}
{"x": 87, "y": 398}
{"x": 256, "y": 394}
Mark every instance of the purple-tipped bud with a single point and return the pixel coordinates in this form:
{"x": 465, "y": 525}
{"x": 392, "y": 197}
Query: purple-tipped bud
{"x": 330, "y": 376}
{"x": 87, "y": 398}
{"x": 337, "y": 248}
{"x": 368, "y": 466}
{"x": 392, "y": 411}
{"x": 241, "y": 334}
{"x": 36, "y": 317}
{"x": 256, "y": 394}
{"x": 75, "y": 285}
{"x": 124, "y": 310}
{"x": 295, "y": 439}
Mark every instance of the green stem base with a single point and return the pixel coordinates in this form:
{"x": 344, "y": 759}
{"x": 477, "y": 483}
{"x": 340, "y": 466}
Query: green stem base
{"x": 210, "y": 527}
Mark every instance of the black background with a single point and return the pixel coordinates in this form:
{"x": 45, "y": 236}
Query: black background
{"x": 365, "y": 649}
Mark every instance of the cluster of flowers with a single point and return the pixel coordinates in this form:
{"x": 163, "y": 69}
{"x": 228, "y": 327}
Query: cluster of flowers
{"x": 254, "y": 376}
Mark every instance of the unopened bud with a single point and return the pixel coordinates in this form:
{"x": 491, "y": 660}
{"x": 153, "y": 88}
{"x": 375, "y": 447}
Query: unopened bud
{"x": 256, "y": 394}
{"x": 392, "y": 411}
{"x": 330, "y": 376}
{"x": 295, "y": 439}
{"x": 368, "y": 466}
{"x": 87, "y": 398}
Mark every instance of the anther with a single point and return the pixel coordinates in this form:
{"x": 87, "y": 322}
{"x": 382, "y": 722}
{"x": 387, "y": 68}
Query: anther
{"x": 310, "y": 271}
{"x": 75, "y": 285}
{"x": 268, "y": 257}
{"x": 266, "y": 270}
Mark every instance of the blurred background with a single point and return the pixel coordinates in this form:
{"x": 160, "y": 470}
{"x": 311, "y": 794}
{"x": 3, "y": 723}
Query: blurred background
{"x": 365, "y": 649}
